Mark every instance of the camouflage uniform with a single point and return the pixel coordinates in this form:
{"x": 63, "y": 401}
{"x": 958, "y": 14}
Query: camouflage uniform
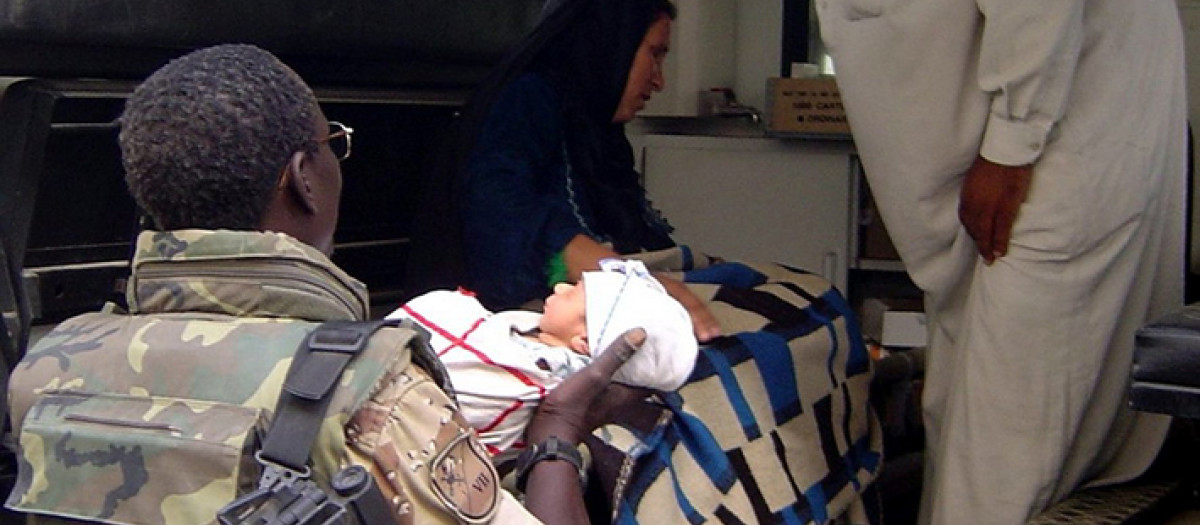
{"x": 150, "y": 417}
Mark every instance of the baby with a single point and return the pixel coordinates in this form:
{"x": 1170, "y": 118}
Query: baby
{"x": 503, "y": 364}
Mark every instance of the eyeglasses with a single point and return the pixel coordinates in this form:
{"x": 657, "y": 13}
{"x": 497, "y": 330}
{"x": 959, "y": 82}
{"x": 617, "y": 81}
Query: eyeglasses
{"x": 338, "y": 139}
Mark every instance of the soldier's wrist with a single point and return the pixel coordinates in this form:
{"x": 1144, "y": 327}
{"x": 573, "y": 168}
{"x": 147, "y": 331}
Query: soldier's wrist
{"x": 551, "y": 449}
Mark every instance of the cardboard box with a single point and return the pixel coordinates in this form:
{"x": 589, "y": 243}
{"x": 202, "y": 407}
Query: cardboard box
{"x": 904, "y": 329}
{"x": 894, "y": 322}
{"x": 809, "y": 105}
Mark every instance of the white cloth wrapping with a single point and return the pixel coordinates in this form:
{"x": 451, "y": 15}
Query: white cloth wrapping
{"x": 622, "y": 296}
{"x": 500, "y": 377}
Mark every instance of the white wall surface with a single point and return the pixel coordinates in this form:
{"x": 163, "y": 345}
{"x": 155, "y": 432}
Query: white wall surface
{"x": 720, "y": 43}
{"x": 736, "y": 43}
{"x": 701, "y": 57}
{"x": 759, "y": 42}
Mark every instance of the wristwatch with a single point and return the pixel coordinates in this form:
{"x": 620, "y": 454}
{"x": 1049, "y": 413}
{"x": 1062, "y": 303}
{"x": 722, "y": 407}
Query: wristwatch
{"x": 552, "y": 448}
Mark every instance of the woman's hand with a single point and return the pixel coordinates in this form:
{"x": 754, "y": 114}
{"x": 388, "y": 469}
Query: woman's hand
{"x": 583, "y": 253}
{"x": 704, "y": 324}
{"x": 585, "y": 400}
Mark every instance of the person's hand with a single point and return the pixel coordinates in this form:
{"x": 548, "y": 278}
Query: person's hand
{"x": 582, "y": 402}
{"x": 991, "y": 197}
{"x": 704, "y": 324}
{"x": 588, "y": 398}
{"x": 583, "y": 253}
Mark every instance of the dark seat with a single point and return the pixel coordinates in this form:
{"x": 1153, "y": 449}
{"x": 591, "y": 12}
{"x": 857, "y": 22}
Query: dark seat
{"x": 1166, "y": 365}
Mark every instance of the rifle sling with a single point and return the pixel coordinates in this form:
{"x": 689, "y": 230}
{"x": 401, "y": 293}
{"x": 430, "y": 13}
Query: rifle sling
{"x": 316, "y": 368}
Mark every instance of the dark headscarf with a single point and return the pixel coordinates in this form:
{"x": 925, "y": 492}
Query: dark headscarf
{"x": 585, "y": 48}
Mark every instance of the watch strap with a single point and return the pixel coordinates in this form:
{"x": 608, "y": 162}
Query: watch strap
{"x": 552, "y": 448}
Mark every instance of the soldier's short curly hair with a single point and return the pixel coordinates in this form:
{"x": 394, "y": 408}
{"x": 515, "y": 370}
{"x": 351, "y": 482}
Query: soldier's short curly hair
{"x": 205, "y": 138}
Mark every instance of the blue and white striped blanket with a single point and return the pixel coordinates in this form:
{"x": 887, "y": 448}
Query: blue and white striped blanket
{"x": 774, "y": 425}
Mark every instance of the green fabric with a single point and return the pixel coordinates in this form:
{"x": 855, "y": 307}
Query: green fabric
{"x": 556, "y": 269}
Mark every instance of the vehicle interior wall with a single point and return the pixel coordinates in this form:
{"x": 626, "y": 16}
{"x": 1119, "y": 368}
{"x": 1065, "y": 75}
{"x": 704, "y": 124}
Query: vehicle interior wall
{"x": 396, "y": 71}
{"x": 83, "y": 218}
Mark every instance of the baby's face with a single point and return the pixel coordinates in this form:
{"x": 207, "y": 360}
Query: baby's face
{"x": 564, "y": 315}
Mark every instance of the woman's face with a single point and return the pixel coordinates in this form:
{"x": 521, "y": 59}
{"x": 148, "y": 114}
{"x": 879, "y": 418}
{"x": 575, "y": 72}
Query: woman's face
{"x": 645, "y": 75}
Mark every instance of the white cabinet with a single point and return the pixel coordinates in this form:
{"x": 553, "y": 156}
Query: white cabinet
{"x": 755, "y": 199}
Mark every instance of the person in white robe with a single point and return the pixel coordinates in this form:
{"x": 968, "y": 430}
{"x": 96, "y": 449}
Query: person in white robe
{"x": 1028, "y": 161}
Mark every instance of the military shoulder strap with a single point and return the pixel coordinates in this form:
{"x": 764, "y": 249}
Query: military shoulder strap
{"x": 285, "y": 492}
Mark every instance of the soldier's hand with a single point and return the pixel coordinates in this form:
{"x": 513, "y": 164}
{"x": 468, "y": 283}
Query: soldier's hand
{"x": 579, "y": 404}
{"x": 588, "y": 398}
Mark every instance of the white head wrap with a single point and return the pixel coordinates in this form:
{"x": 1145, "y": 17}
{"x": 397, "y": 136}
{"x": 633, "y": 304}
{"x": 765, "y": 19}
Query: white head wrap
{"x": 623, "y": 295}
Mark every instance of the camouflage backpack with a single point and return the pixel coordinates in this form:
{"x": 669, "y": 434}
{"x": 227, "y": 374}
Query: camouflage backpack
{"x": 157, "y": 419}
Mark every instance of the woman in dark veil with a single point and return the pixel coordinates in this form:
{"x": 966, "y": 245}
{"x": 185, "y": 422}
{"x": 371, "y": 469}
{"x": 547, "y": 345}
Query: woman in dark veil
{"x": 539, "y": 184}
{"x": 773, "y": 424}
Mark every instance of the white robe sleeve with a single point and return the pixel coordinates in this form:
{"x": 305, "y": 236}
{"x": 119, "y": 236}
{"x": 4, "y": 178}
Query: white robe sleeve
{"x": 1027, "y": 58}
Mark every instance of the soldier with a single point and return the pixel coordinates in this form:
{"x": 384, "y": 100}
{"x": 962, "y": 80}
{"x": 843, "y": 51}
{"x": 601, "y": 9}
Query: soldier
{"x": 153, "y": 410}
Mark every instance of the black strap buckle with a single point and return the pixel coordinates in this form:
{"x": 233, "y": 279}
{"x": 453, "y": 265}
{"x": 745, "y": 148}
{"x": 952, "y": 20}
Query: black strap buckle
{"x": 287, "y": 497}
{"x": 285, "y": 494}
